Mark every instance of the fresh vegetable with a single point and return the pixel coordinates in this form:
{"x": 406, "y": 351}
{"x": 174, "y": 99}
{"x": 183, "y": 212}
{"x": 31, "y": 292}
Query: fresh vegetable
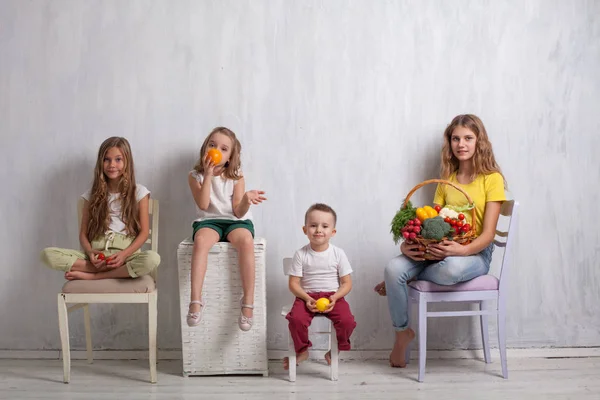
{"x": 403, "y": 215}
{"x": 437, "y": 208}
{"x": 461, "y": 216}
{"x": 426, "y": 212}
{"x": 101, "y": 257}
{"x": 447, "y": 212}
{"x": 435, "y": 228}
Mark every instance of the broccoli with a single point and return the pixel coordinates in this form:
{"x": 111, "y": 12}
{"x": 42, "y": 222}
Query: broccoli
{"x": 435, "y": 228}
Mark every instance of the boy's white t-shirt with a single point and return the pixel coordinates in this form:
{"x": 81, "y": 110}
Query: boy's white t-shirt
{"x": 221, "y": 199}
{"x": 320, "y": 271}
{"x": 114, "y": 205}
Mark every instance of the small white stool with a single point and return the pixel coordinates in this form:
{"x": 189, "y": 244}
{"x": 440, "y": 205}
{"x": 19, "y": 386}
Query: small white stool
{"x": 329, "y": 330}
{"x": 217, "y": 346}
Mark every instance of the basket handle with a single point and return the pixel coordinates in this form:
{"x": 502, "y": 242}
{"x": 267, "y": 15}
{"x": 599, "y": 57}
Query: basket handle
{"x": 445, "y": 182}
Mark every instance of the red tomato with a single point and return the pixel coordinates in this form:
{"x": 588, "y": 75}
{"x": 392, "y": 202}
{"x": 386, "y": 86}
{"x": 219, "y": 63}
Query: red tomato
{"x": 457, "y": 230}
{"x": 437, "y": 208}
{"x": 467, "y": 227}
{"x": 461, "y": 216}
{"x": 459, "y": 223}
{"x": 447, "y": 219}
{"x": 101, "y": 257}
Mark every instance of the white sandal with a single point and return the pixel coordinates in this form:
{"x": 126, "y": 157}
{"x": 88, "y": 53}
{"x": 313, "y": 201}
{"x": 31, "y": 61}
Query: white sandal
{"x": 194, "y": 318}
{"x": 245, "y": 323}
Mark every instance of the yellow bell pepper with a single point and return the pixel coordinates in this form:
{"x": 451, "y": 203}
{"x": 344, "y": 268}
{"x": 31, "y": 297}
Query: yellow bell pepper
{"x": 426, "y": 212}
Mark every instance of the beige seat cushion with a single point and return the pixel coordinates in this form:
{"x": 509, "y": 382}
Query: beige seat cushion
{"x": 143, "y": 284}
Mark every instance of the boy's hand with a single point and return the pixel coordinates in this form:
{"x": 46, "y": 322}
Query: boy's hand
{"x": 331, "y": 305}
{"x": 311, "y": 304}
{"x": 255, "y": 196}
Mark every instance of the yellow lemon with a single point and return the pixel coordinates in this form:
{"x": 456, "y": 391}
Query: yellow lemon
{"x": 322, "y": 304}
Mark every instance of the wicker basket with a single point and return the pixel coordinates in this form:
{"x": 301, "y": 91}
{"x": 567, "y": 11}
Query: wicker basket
{"x": 217, "y": 346}
{"x": 463, "y": 239}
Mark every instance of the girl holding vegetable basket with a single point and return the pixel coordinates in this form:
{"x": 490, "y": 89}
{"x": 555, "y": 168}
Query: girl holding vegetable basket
{"x": 452, "y": 241}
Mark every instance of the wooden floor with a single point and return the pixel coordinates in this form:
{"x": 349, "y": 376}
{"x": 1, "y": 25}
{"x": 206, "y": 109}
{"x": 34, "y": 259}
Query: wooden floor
{"x": 530, "y": 378}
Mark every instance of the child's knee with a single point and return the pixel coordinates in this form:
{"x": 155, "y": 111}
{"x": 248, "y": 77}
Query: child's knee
{"x": 147, "y": 262}
{"x": 347, "y": 323}
{"x": 397, "y": 268}
{"x": 296, "y": 322}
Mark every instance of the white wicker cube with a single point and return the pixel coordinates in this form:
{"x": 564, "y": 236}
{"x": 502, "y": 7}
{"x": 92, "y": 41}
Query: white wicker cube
{"x": 217, "y": 346}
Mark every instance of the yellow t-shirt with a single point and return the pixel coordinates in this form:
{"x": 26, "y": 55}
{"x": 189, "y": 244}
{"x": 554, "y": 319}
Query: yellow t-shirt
{"x": 483, "y": 189}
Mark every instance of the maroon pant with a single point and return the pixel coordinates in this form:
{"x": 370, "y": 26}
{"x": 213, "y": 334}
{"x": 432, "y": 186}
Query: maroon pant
{"x": 300, "y": 318}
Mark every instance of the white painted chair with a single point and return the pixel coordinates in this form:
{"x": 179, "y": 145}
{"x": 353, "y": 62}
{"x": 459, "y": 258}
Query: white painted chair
{"x": 139, "y": 290}
{"x": 329, "y": 330}
{"x": 482, "y": 290}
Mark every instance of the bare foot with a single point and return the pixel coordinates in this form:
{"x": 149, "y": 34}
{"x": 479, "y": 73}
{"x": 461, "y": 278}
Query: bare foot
{"x": 398, "y": 354}
{"x": 328, "y": 357}
{"x": 75, "y": 275}
{"x": 299, "y": 358}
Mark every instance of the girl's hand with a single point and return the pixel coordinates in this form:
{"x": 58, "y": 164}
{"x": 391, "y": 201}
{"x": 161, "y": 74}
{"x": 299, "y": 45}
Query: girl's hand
{"x": 380, "y": 289}
{"x": 209, "y": 166}
{"x": 331, "y": 305}
{"x": 311, "y": 304}
{"x": 93, "y": 256}
{"x": 446, "y": 248}
{"x": 116, "y": 260}
{"x": 412, "y": 251}
{"x": 254, "y": 196}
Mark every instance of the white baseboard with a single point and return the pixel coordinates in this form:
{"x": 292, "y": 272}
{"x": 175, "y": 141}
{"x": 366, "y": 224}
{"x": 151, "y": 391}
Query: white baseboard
{"x": 175, "y": 354}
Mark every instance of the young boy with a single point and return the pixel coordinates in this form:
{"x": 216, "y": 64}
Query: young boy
{"x": 319, "y": 270}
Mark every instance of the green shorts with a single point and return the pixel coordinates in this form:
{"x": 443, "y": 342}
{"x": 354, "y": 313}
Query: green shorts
{"x": 223, "y": 227}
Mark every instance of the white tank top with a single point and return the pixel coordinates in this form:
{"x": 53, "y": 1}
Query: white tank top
{"x": 221, "y": 199}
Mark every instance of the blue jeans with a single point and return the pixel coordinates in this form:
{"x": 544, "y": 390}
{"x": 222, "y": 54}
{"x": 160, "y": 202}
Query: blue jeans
{"x": 449, "y": 271}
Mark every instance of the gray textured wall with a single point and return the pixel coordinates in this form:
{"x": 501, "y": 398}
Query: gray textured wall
{"x": 342, "y": 102}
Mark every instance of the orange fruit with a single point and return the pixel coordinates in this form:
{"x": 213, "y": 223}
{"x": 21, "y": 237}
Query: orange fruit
{"x": 322, "y": 304}
{"x": 215, "y": 155}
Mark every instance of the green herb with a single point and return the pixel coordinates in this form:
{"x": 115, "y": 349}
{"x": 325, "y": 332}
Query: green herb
{"x": 403, "y": 215}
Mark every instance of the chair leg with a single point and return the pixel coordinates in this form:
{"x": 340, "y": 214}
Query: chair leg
{"x": 422, "y": 336}
{"x": 63, "y": 325}
{"x": 291, "y": 359}
{"x": 152, "y": 326}
{"x": 88, "y": 333}
{"x": 333, "y": 370}
{"x": 502, "y": 340}
{"x": 485, "y": 338}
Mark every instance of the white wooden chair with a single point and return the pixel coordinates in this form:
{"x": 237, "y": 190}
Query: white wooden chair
{"x": 481, "y": 290}
{"x": 329, "y": 330}
{"x": 137, "y": 290}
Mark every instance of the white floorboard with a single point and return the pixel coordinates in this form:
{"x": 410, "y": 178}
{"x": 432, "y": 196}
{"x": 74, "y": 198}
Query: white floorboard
{"x": 529, "y": 378}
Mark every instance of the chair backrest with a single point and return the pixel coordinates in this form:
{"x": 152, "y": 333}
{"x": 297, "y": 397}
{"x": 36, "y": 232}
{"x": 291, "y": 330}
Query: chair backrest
{"x": 505, "y": 239}
{"x": 287, "y": 266}
{"x": 153, "y": 234}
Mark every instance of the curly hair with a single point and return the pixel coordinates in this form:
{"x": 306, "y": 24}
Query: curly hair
{"x": 98, "y": 211}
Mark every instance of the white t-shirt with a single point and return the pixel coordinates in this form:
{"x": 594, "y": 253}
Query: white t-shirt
{"x": 221, "y": 199}
{"x": 114, "y": 205}
{"x": 320, "y": 271}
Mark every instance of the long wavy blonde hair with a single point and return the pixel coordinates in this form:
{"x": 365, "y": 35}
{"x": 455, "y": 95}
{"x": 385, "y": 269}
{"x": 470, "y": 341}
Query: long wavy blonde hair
{"x": 99, "y": 215}
{"x": 483, "y": 160}
{"x": 233, "y": 167}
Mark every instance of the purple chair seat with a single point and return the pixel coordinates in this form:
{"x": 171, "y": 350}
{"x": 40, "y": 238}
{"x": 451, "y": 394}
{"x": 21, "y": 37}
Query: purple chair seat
{"x": 483, "y": 282}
